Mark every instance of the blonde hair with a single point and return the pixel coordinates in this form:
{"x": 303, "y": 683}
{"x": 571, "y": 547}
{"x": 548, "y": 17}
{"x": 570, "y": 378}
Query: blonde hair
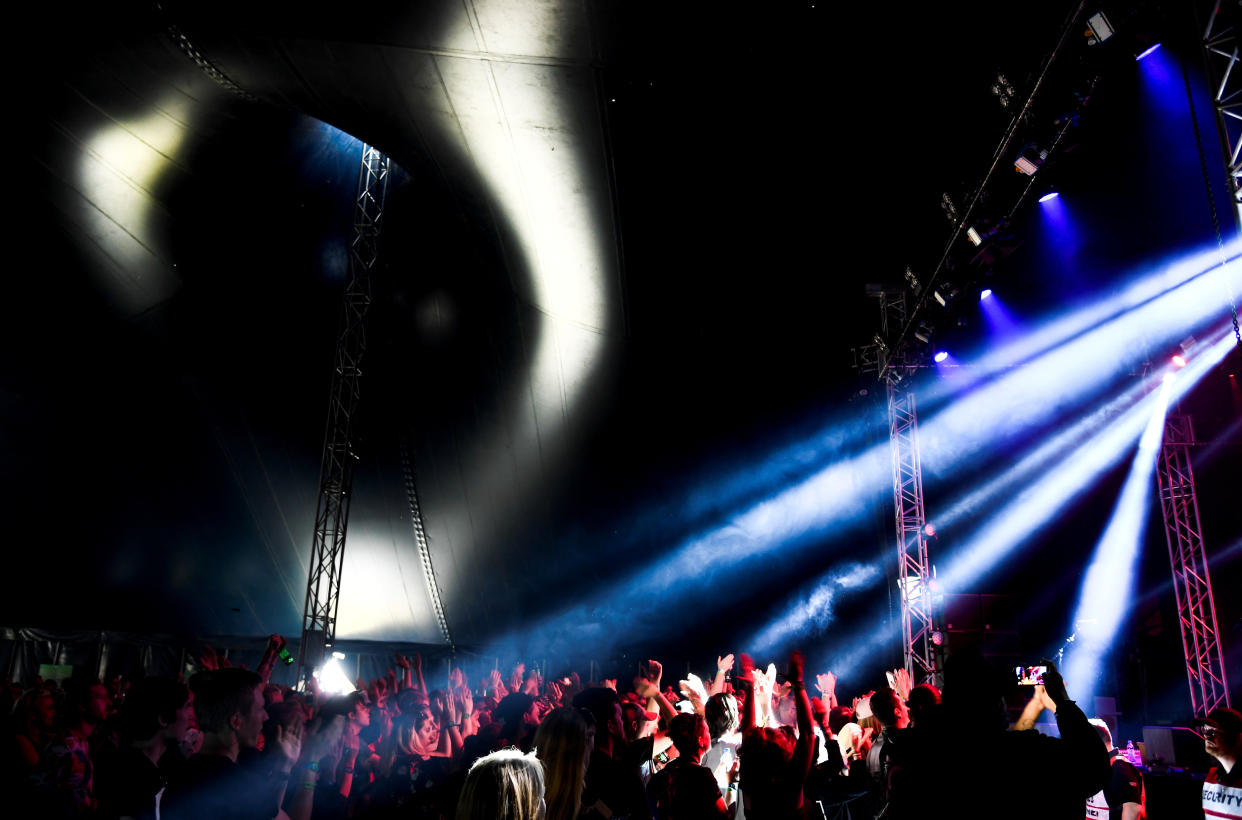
{"x": 561, "y": 745}
{"x": 504, "y": 785}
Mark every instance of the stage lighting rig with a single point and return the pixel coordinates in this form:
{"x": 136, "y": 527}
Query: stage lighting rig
{"x": 1003, "y": 90}
{"x": 1099, "y": 29}
{"x": 946, "y": 205}
{"x": 912, "y": 280}
{"x": 944, "y": 294}
{"x": 1030, "y": 159}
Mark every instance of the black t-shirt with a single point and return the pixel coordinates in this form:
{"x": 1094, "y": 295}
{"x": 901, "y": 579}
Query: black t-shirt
{"x": 683, "y": 791}
{"x": 127, "y": 784}
{"x": 1125, "y": 785}
{"x": 212, "y": 787}
{"x": 979, "y": 771}
{"x": 1233, "y": 777}
{"x": 617, "y": 785}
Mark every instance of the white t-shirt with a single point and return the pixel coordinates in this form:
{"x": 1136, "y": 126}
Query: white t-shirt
{"x": 1220, "y": 800}
{"x": 848, "y": 739}
{"x": 719, "y": 759}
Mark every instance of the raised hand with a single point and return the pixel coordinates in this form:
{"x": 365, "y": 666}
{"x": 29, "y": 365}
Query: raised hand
{"x": 747, "y": 668}
{"x": 289, "y": 742}
{"x": 401, "y": 661}
{"x": 724, "y": 664}
{"x": 1054, "y": 685}
{"x": 208, "y": 659}
{"x": 652, "y": 670}
{"x": 692, "y": 689}
{"x": 826, "y": 683}
{"x": 902, "y": 684}
{"x": 611, "y": 683}
{"x": 797, "y": 666}
{"x": 694, "y": 684}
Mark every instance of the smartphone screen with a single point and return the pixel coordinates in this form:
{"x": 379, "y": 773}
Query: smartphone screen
{"x": 1030, "y": 675}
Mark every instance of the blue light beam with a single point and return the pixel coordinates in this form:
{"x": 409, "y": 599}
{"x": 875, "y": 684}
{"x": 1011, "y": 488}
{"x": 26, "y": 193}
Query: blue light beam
{"x": 1108, "y": 585}
{"x": 1037, "y": 505}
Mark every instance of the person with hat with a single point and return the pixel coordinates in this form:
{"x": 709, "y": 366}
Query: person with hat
{"x": 1222, "y": 739}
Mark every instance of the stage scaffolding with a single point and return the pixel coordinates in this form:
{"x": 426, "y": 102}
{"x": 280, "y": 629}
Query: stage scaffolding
{"x": 1196, "y": 609}
{"x": 920, "y": 652}
{"x": 336, "y": 470}
{"x": 913, "y": 568}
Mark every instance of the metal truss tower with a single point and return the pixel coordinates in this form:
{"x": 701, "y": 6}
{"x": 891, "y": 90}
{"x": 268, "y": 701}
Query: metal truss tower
{"x": 914, "y": 570}
{"x": 919, "y": 651}
{"x": 1220, "y": 49}
{"x": 1196, "y": 610}
{"x": 336, "y": 469}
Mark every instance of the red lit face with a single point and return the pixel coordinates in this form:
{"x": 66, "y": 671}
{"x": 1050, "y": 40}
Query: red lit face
{"x": 98, "y": 704}
{"x": 44, "y": 709}
{"x": 183, "y": 721}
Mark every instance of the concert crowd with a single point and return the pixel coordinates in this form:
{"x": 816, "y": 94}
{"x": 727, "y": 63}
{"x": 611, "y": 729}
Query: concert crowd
{"x": 743, "y": 742}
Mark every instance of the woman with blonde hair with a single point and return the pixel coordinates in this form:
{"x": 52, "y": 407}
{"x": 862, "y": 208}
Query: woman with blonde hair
{"x": 504, "y": 785}
{"x": 562, "y": 747}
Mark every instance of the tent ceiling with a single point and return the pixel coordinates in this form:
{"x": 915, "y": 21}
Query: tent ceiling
{"x": 622, "y": 234}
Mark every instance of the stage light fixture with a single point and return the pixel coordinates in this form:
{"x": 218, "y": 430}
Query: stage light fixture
{"x": 940, "y": 356}
{"x": 912, "y": 280}
{"x": 923, "y": 333}
{"x": 1099, "y": 29}
{"x": 1030, "y": 160}
{"x": 944, "y": 295}
{"x": 1147, "y": 51}
{"x": 1179, "y": 361}
{"x": 984, "y": 294}
{"x": 974, "y": 237}
{"x": 1051, "y": 195}
{"x": 332, "y": 678}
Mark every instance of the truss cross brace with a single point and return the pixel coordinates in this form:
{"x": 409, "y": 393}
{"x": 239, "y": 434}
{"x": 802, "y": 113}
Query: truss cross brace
{"x": 1196, "y": 610}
